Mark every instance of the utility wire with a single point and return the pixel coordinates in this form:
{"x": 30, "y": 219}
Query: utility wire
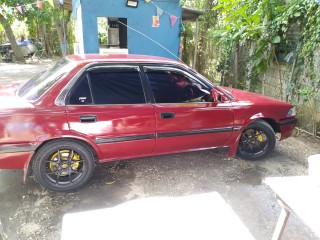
{"x": 133, "y": 29}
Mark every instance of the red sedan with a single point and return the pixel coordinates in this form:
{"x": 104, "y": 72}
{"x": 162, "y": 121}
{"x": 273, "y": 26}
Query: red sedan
{"x": 92, "y": 108}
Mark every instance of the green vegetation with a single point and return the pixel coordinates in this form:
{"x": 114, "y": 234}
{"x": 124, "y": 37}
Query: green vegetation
{"x": 241, "y": 44}
{"x": 241, "y": 40}
{"x": 48, "y": 26}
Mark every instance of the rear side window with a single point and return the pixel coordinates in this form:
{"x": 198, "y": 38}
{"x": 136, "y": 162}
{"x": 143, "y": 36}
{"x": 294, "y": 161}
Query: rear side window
{"x": 81, "y": 94}
{"x": 109, "y": 85}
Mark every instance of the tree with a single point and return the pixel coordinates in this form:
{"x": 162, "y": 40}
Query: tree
{"x": 6, "y": 24}
{"x": 48, "y": 26}
{"x": 61, "y": 21}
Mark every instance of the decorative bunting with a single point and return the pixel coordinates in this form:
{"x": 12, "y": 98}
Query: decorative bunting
{"x": 20, "y": 9}
{"x": 155, "y": 21}
{"x": 39, "y": 4}
{"x": 159, "y": 11}
{"x": 9, "y": 10}
{"x": 27, "y": 7}
{"x": 173, "y": 20}
{"x": 51, "y": 2}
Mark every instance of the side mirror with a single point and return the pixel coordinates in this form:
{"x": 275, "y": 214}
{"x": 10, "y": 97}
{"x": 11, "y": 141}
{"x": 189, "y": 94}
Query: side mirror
{"x": 214, "y": 95}
{"x": 218, "y": 97}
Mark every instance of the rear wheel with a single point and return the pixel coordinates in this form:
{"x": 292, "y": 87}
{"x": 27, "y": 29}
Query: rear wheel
{"x": 63, "y": 165}
{"x": 257, "y": 141}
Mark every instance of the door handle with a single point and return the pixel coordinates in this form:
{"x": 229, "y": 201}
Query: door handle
{"x": 167, "y": 115}
{"x": 88, "y": 119}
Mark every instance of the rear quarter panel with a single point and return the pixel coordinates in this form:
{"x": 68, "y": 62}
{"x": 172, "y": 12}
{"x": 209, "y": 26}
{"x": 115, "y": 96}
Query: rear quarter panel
{"x": 23, "y": 131}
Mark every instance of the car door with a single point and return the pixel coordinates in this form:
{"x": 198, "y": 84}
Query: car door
{"x": 108, "y": 105}
{"x": 186, "y": 116}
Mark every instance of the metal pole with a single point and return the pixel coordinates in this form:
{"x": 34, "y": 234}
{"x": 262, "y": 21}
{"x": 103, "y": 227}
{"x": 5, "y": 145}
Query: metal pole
{"x": 196, "y": 45}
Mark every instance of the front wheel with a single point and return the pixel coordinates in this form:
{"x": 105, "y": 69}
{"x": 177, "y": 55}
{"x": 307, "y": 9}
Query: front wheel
{"x": 257, "y": 141}
{"x": 63, "y": 165}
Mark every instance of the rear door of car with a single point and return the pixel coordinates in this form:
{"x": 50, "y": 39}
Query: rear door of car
{"x": 186, "y": 116}
{"x": 108, "y": 104}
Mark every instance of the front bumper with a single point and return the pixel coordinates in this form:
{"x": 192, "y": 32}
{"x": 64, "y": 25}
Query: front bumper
{"x": 286, "y": 127}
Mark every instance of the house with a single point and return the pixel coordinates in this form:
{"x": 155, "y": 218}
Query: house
{"x": 132, "y": 26}
{"x": 149, "y": 27}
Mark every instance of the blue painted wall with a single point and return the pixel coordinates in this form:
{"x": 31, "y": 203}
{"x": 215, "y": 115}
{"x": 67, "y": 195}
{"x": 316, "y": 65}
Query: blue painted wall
{"x": 138, "y": 18}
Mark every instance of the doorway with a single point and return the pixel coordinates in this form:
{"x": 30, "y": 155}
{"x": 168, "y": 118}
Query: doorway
{"x": 112, "y": 35}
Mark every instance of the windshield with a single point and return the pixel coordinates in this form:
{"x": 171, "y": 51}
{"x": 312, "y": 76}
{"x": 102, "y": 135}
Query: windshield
{"x": 38, "y": 85}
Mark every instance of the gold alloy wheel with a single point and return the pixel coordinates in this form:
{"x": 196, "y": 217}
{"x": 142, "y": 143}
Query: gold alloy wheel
{"x": 253, "y": 141}
{"x": 60, "y": 161}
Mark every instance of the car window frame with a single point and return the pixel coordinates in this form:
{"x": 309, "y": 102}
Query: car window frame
{"x": 178, "y": 69}
{"x": 85, "y": 71}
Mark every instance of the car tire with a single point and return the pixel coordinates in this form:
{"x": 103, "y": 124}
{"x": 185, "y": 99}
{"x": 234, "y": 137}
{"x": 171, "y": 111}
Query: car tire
{"x": 63, "y": 165}
{"x": 257, "y": 141}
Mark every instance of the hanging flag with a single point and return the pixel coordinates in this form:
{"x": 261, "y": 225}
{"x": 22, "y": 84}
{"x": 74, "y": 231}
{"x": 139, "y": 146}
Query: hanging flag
{"x": 9, "y": 10}
{"x": 61, "y": 2}
{"x": 51, "y": 2}
{"x": 159, "y": 11}
{"x": 173, "y": 20}
{"x": 155, "y": 21}
{"x": 27, "y": 7}
{"x": 20, "y": 9}
{"x": 39, "y": 4}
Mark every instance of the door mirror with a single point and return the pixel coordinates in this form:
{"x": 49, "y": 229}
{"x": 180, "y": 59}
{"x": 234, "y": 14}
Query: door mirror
{"x": 218, "y": 97}
{"x": 214, "y": 95}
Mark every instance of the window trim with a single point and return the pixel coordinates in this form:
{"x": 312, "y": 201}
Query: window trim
{"x": 86, "y": 70}
{"x": 177, "y": 69}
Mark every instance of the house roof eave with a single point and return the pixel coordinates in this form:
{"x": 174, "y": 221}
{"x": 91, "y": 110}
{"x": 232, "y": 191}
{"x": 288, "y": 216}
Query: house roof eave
{"x": 189, "y": 14}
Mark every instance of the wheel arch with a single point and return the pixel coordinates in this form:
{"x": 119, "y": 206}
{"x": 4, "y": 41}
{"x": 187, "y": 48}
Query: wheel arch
{"x": 95, "y": 151}
{"x": 235, "y": 142}
{"x": 274, "y": 124}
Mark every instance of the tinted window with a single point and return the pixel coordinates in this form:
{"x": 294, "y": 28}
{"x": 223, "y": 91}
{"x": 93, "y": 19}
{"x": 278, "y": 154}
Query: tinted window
{"x": 109, "y": 85}
{"x": 81, "y": 94}
{"x": 170, "y": 86}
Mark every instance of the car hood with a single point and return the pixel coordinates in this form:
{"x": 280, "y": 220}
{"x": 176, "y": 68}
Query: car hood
{"x": 254, "y": 98}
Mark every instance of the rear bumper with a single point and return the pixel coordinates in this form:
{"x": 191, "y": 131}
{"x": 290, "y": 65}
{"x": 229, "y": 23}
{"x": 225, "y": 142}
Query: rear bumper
{"x": 15, "y": 160}
{"x": 16, "y": 156}
{"x": 286, "y": 127}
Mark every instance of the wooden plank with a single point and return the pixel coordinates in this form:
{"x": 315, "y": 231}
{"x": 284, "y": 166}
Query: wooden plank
{"x": 281, "y": 224}
{"x": 302, "y": 196}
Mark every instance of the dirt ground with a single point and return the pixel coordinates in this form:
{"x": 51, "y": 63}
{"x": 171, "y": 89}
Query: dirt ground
{"x": 28, "y": 211}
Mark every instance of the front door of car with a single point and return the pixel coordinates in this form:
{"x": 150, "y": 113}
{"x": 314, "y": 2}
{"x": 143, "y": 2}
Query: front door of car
{"x": 186, "y": 116}
{"x": 108, "y": 105}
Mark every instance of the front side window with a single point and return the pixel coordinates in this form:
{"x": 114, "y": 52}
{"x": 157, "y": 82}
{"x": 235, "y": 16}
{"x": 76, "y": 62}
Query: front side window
{"x": 109, "y": 85}
{"x": 171, "y": 85}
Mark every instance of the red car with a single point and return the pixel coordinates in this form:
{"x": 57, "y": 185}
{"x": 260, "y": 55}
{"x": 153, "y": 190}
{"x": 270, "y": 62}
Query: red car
{"x": 93, "y": 108}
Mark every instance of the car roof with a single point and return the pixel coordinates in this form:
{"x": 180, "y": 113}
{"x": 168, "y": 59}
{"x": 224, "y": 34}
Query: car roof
{"x": 114, "y": 58}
